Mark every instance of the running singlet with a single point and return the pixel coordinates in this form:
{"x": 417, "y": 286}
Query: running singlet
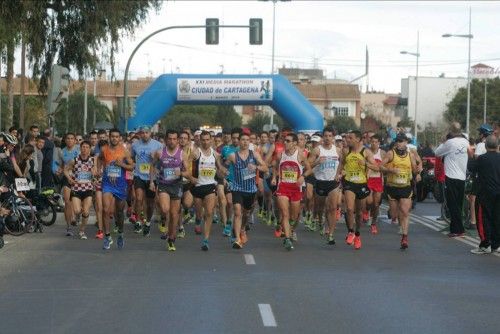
{"x": 82, "y": 172}
{"x": 112, "y": 172}
{"x": 354, "y": 172}
{"x": 327, "y": 169}
{"x": 142, "y": 152}
{"x": 68, "y": 155}
{"x": 404, "y": 177}
{"x": 244, "y": 174}
{"x": 289, "y": 172}
{"x": 170, "y": 167}
{"x": 378, "y": 159}
{"x": 226, "y": 152}
{"x": 204, "y": 169}
{"x": 279, "y": 148}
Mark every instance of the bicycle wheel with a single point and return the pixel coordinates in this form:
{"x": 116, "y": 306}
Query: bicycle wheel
{"x": 46, "y": 212}
{"x": 22, "y": 215}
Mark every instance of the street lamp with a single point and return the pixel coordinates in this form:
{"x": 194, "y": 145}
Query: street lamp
{"x": 469, "y": 36}
{"x": 417, "y": 55}
{"x": 274, "y": 39}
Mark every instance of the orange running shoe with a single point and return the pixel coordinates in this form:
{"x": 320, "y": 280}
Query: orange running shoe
{"x": 277, "y": 232}
{"x": 373, "y": 228}
{"x": 349, "y": 239}
{"x": 243, "y": 237}
{"x": 338, "y": 214}
{"x": 357, "y": 242}
{"x": 99, "y": 235}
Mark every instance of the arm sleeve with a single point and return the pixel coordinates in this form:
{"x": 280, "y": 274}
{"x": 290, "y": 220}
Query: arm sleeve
{"x": 443, "y": 149}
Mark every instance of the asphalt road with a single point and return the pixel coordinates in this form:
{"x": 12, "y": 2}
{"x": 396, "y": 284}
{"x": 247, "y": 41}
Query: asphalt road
{"x": 54, "y": 284}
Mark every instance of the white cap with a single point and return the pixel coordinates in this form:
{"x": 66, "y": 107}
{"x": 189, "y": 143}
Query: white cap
{"x": 316, "y": 139}
{"x": 197, "y": 133}
{"x": 409, "y": 136}
{"x": 337, "y": 137}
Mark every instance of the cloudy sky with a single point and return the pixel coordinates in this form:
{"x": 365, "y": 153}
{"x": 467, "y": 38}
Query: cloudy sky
{"x": 330, "y": 35}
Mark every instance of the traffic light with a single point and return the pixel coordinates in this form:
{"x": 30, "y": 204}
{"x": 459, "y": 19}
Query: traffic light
{"x": 59, "y": 87}
{"x": 255, "y": 31}
{"x": 212, "y": 31}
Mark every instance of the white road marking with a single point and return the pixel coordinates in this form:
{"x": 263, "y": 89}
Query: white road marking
{"x": 249, "y": 259}
{"x": 267, "y": 315}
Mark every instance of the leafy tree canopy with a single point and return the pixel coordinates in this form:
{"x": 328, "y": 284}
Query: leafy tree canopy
{"x": 197, "y": 115}
{"x": 343, "y": 124}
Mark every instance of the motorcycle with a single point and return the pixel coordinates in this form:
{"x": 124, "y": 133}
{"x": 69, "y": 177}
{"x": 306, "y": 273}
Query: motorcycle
{"x": 428, "y": 184}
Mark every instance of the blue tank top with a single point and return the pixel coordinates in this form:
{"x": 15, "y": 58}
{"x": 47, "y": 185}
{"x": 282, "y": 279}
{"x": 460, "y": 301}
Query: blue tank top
{"x": 170, "y": 167}
{"x": 244, "y": 177}
{"x": 141, "y": 151}
{"x": 68, "y": 155}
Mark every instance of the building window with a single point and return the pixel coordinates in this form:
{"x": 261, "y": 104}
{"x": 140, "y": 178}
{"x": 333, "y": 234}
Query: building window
{"x": 340, "y": 111}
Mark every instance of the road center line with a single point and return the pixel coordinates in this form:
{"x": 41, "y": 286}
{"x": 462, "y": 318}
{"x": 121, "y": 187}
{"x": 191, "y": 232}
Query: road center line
{"x": 267, "y": 315}
{"x": 249, "y": 259}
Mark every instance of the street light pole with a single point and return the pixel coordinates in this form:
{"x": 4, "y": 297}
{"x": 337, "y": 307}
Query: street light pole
{"x": 470, "y": 37}
{"x": 485, "y": 95}
{"x": 271, "y": 121}
{"x": 417, "y": 55}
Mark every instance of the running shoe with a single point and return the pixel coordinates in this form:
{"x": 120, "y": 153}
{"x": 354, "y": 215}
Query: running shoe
{"x": 165, "y": 236}
{"x": 357, "y": 242}
{"x": 456, "y": 235}
{"x": 322, "y": 230}
{"x": 197, "y": 229}
{"x": 481, "y": 250}
{"x": 82, "y": 235}
{"x": 162, "y": 228}
{"x": 331, "y": 240}
{"x": 237, "y": 244}
{"x": 294, "y": 236}
{"x": 270, "y": 220}
{"x": 373, "y": 229}
{"x": 99, "y": 234}
{"x": 288, "y": 244}
{"x": 146, "y": 231}
{"x": 69, "y": 232}
{"x": 277, "y": 231}
{"x": 227, "y": 230}
{"x": 120, "y": 241}
{"x": 204, "y": 245}
{"x": 394, "y": 221}
{"x": 181, "y": 234}
{"x": 108, "y": 241}
{"x": 137, "y": 228}
{"x": 171, "y": 246}
{"x": 243, "y": 237}
{"x": 133, "y": 218}
{"x": 259, "y": 214}
{"x": 349, "y": 239}
{"x": 404, "y": 242}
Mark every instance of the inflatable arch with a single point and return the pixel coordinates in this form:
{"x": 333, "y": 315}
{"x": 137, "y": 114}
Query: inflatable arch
{"x": 273, "y": 90}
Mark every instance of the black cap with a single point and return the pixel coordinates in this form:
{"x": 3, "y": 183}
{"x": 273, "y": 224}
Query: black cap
{"x": 401, "y": 137}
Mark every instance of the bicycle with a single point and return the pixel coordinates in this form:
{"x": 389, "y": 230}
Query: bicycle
{"x": 22, "y": 216}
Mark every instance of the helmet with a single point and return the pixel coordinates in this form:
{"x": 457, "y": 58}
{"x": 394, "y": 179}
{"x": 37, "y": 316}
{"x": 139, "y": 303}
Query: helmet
{"x": 485, "y": 129}
{"x": 10, "y": 138}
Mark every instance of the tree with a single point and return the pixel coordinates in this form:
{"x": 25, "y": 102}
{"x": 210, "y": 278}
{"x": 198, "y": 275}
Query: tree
{"x": 343, "y": 124}
{"x": 227, "y": 117}
{"x": 456, "y": 109}
{"x": 256, "y": 124}
{"x": 406, "y": 122}
{"x": 197, "y": 115}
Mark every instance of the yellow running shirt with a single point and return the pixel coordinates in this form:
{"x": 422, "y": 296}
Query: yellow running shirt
{"x": 403, "y": 164}
{"x": 353, "y": 171}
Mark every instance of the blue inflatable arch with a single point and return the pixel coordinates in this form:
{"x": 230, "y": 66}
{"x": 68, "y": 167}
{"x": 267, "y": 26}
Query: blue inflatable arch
{"x": 273, "y": 90}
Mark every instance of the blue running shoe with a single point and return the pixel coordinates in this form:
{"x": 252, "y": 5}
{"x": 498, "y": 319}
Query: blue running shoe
{"x": 107, "y": 243}
{"x": 120, "y": 242}
{"x": 227, "y": 230}
{"x": 204, "y": 245}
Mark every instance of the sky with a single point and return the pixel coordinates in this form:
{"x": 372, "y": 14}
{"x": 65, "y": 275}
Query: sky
{"x": 330, "y": 35}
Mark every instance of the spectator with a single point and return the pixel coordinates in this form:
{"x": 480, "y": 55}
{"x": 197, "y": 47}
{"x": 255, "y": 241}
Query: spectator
{"x": 487, "y": 167}
{"x": 48, "y": 153}
{"x": 40, "y": 143}
{"x": 455, "y": 154}
{"x": 34, "y": 131}
{"x": 426, "y": 151}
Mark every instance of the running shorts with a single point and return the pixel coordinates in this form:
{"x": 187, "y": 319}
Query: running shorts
{"x": 359, "y": 189}
{"x": 323, "y": 188}
{"x": 144, "y": 185}
{"x": 82, "y": 194}
{"x": 173, "y": 190}
{"x": 375, "y": 184}
{"x": 244, "y": 199}
{"x": 203, "y": 191}
{"x": 310, "y": 179}
{"x": 293, "y": 195}
{"x": 397, "y": 193}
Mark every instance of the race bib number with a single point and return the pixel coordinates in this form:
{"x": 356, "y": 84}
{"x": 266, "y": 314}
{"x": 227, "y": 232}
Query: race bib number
{"x": 401, "y": 179}
{"x": 207, "y": 172}
{"x": 84, "y": 177}
{"x": 354, "y": 177}
{"x": 289, "y": 176}
{"x": 248, "y": 174}
{"x": 328, "y": 164}
{"x": 22, "y": 184}
{"x": 170, "y": 174}
{"x": 113, "y": 171}
{"x": 144, "y": 168}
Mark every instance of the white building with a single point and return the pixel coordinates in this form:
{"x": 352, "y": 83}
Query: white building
{"x": 433, "y": 95}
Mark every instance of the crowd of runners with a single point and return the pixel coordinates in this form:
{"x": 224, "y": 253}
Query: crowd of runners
{"x": 281, "y": 178}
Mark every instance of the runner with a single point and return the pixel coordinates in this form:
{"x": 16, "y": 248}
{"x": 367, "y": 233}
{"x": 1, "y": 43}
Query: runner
{"x": 205, "y": 167}
{"x": 243, "y": 187}
{"x": 226, "y": 153}
{"x": 311, "y": 212}
{"x": 115, "y": 160}
{"x": 172, "y": 165}
{"x": 325, "y": 160}
{"x": 97, "y": 183}
{"x": 375, "y": 184}
{"x": 142, "y": 153}
{"x": 79, "y": 173}
{"x": 399, "y": 164}
{"x": 289, "y": 190}
{"x": 355, "y": 161}
{"x": 68, "y": 154}
{"x": 187, "y": 198}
